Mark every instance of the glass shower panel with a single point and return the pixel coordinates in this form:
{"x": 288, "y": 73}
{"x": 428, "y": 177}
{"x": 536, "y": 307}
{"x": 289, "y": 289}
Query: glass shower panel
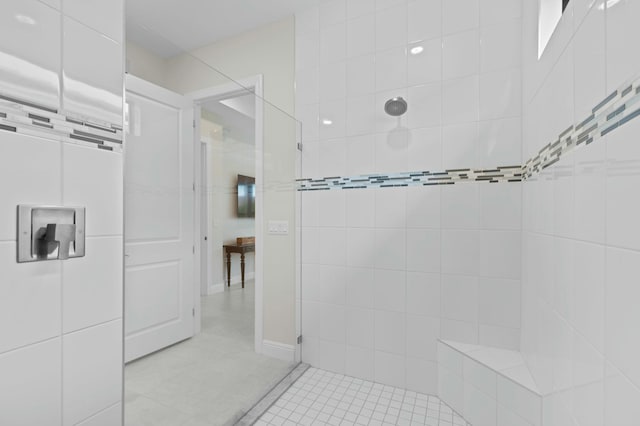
{"x": 244, "y": 338}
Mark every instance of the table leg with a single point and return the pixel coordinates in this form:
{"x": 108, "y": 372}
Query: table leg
{"x": 228, "y": 269}
{"x": 242, "y": 268}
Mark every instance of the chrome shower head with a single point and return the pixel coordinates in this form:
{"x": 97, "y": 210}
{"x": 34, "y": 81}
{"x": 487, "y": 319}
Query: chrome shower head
{"x": 395, "y": 106}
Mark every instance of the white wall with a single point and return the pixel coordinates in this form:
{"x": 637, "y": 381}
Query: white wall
{"x": 61, "y": 321}
{"x": 269, "y": 51}
{"x": 386, "y": 272}
{"x": 228, "y": 157}
{"x": 581, "y": 236}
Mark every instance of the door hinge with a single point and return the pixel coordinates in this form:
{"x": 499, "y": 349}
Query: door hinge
{"x": 193, "y": 312}
{"x": 194, "y": 123}
{"x": 194, "y": 249}
{"x": 299, "y": 147}
{"x": 300, "y": 339}
{"x": 194, "y": 187}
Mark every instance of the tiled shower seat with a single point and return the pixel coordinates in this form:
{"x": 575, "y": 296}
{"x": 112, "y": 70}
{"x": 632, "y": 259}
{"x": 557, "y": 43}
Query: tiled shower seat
{"x": 488, "y": 386}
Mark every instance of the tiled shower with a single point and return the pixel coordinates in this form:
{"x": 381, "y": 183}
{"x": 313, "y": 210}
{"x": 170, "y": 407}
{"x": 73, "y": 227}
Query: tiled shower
{"x": 496, "y": 215}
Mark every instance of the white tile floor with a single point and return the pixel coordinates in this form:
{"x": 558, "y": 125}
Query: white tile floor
{"x": 323, "y": 398}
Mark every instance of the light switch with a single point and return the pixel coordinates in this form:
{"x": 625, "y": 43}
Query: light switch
{"x": 278, "y": 227}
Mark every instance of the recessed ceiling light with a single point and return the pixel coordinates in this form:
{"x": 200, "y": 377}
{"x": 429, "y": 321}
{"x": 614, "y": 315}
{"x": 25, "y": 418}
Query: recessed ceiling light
{"x": 327, "y": 122}
{"x": 416, "y": 50}
{"x": 24, "y": 19}
{"x": 610, "y": 3}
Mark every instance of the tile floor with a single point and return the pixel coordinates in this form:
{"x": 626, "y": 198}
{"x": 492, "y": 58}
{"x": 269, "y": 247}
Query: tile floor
{"x": 210, "y": 379}
{"x": 323, "y": 398}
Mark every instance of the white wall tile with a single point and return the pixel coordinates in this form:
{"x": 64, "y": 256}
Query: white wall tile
{"x": 620, "y": 28}
{"x": 500, "y": 143}
{"x": 307, "y": 21}
{"x": 361, "y": 36}
{"x": 391, "y": 153}
{"x": 425, "y": 149}
{"x": 391, "y": 68}
{"x": 390, "y": 332}
{"x": 501, "y": 206}
{"x": 423, "y": 294}
{"x": 36, "y": 181}
{"x": 103, "y": 16}
{"x": 621, "y": 399}
{"x": 359, "y": 287}
{"x": 460, "y": 100}
{"x": 333, "y": 81}
{"x": 30, "y": 392}
{"x": 332, "y": 209}
{"x": 30, "y": 41}
{"x": 460, "y": 55}
{"x": 481, "y": 377}
{"x": 332, "y": 120}
{"x": 332, "y": 12}
{"x": 500, "y": 256}
{"x": 331, "y": 356}
{"x": 361, "y": 209}
{"x": 332, "y": 157}
{"x": 332, "y": 43}
{"x": 390, "y": 209}
{"x": 589, "y": 292}
{"x": 499, "y": 337}
{"x": 30, "y": 308}
{"x": 423, "y": 250}
{"x": 391, "y": 27}
{"x": 421, "y": 376}
{"x": 92, "y": 360}
{"x": 93, "y": 73}
{"x": 460, "y": 146}
{"x": 494, "y": 11}
{"x": 460, "y": 15}
{"x": 623, "y": 267}
{"x": 360, "y": 155}
{"x": 424, "y": 61}
{"x": 478, "y": 407}
{"x": 422, "y": 335}
{"x": 389, "y": 290}
{"x": 425, "y": 106}
{"x": 423, "y": 207}
{"x": 357, "y": 8}
{"x": 325, "y": 284}
{"x": 389, "y": 369}
{"x": 360, "y": 362}
{"x": 459, "y": 331}
{"x": 390, "y": 249}
{"x": 499, "y": 302}
{"x": 425, "y": 19}
{"x": 360, "y": 326}
{"x": 623, "y": 229}
{"x": 361, "y": 247}
{"x": 92, "y": 285}
{"x": 460, "y": 250}
{"x": 460, "y": 208}
{"x": 451, "y": 389}
{"x": 523, "y": 402}
{"x": 501, "y": 46}
{"x": 361, "y": 75}
{"x": 94, "y": 182}
{"x": 460, "y": 298}
{"x": 501, "y": 94}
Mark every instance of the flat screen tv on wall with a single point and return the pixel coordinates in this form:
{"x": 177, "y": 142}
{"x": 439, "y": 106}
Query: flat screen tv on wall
{"x": 246, "y": 196}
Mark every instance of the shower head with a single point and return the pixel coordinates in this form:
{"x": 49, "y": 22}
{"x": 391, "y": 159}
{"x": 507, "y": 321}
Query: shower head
{"x": 395, "y": 106}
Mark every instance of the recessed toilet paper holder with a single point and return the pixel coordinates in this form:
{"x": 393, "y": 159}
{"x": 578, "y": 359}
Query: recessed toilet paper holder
{"x": 50, "y": 233}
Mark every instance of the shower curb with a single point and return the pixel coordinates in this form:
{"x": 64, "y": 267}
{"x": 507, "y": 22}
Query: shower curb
{"x": 272, "y": 396}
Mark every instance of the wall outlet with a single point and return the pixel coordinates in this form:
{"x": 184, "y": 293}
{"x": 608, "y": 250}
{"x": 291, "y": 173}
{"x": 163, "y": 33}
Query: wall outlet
{"x": 278, "y": 227}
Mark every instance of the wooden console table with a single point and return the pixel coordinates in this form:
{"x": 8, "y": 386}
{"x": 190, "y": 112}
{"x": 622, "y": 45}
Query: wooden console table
{"x": 242, "y": 249}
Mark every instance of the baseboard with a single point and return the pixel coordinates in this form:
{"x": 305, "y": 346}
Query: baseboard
{"x": 235, "y": 280}
{"x": 279, "y": 350}
{"x": 214, "y": 289}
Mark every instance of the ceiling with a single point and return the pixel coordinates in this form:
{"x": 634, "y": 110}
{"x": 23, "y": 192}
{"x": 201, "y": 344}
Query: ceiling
{"x": 168, "y": 27}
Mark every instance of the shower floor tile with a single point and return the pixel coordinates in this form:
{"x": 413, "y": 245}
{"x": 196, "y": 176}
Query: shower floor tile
{"x": 323, "y": 398}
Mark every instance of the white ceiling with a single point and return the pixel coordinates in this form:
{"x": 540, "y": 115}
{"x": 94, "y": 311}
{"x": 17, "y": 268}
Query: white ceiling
{"x": 167, "y": 27}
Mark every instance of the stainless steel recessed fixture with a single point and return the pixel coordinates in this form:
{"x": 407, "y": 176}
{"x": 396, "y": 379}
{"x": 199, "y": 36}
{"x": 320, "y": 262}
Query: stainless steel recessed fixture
{"x": 395, "y": 106}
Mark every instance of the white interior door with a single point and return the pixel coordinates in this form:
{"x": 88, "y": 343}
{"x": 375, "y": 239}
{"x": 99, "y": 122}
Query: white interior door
{"x": 159, "y": 219}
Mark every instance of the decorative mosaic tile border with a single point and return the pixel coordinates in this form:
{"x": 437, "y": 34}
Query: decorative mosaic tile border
{"x": 612, "y": 112}
{"x": 28, "y": 118}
